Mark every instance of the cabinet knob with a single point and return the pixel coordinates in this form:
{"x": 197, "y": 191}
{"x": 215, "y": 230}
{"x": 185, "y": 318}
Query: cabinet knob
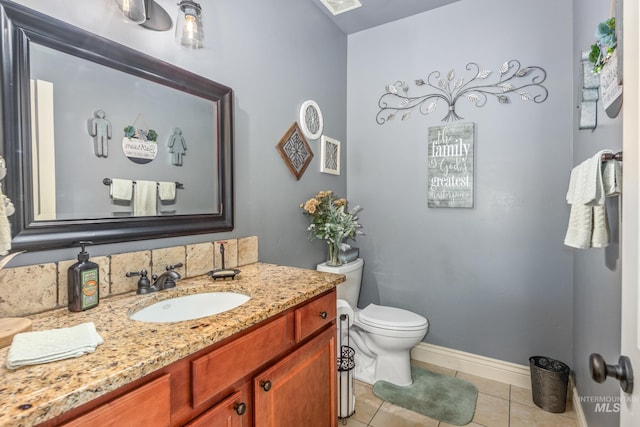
{"x": 266, "y": 385}
{"x": 323, "y": 314}
{"x": 240, "y": 408}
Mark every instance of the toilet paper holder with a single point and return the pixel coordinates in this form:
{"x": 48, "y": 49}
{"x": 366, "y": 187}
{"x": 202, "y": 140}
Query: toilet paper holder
{"x": 346, "y": 364}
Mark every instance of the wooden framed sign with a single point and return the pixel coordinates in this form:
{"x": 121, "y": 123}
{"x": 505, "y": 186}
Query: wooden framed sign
{"x": 450, "y": 163}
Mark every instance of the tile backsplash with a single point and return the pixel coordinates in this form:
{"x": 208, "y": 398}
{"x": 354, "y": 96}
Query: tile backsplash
{"x": 37, "y": 288}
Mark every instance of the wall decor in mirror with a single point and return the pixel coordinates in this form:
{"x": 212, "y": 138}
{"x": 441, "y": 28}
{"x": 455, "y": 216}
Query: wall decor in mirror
{"x": 77, "y": 109}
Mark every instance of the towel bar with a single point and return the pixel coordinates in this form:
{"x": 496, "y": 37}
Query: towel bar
{"x": 611, "y": 156}
{"x": 107, "y": 181}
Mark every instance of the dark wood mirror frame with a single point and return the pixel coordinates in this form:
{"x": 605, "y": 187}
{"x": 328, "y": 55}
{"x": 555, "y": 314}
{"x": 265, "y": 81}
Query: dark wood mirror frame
{"x": 19, "y": 27}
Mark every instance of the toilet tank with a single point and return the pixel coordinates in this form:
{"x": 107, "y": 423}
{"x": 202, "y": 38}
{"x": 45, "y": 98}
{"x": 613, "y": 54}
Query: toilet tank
{"x": 348, "y": 290}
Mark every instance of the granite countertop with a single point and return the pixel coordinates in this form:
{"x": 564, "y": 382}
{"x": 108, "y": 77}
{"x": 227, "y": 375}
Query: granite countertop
{"x": 131, "y": 349}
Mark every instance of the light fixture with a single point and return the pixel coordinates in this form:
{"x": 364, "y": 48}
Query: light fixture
{"x": 133, "y": 10}
{"x": 189, "y": 32}
{"x": 147, "y": 13}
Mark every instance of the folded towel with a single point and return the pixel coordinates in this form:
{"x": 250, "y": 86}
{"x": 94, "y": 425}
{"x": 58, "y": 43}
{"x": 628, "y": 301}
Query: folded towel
{"x": 145, "y": 198}
{"x": 167, "y": 191}
{"x": 32, "y": 348}
{"x": 121, "y": 189}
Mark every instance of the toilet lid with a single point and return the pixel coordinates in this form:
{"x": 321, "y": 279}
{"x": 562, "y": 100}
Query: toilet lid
{"x": 391, "y": 317}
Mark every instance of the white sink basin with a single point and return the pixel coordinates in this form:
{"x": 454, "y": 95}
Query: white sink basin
{"x": 189, "y": 307}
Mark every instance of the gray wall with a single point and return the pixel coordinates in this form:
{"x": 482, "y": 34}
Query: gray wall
{"x": 496, "y": 279}
{"x": 597, "y": 272}
{"x": 275, "y": 55}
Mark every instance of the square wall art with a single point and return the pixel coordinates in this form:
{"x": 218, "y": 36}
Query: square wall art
{"x": 330, "y": 155}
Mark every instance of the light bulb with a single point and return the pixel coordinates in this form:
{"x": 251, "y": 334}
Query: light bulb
{"x": 189, "y": 31}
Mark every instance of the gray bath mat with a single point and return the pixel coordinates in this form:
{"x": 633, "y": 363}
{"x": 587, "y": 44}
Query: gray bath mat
{"x": 437, "y": 396}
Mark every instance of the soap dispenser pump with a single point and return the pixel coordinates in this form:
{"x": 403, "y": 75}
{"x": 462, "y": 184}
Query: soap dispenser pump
{"x": 83, "y": 282}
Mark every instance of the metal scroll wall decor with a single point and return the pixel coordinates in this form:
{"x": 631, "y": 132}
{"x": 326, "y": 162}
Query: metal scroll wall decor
{"x": 514, "y": 81}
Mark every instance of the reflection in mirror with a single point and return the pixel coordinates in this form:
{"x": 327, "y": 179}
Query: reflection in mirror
{"x": 85, "y": 117}
{"x": 68, "y": 175}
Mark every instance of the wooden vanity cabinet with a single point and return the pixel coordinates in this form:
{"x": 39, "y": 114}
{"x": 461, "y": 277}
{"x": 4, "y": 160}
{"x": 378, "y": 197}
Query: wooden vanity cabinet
{"x": 281, "y": 372}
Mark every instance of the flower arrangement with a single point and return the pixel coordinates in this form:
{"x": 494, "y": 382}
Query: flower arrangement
{"x": 331, "y": 221}
{"x": 149, "y": 135}
{"x": 605, "y": 46}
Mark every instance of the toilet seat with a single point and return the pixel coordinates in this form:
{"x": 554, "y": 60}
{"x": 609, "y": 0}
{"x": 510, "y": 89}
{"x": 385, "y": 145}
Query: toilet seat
{"x": 391, "y": 318}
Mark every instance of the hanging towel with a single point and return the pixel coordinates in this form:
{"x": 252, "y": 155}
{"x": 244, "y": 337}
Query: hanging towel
{"x": 167, "y": 191}
{"x": 145, "y": 198}
{"x": 589, "y": 184}
{"x": 121, "y": 189}
{"x": 32, "y": 348}
{"x": 600, "y": 234}
{"x": 5, "y": 227}
{"x": 612, "y": 178}
{"x": 585, "y": 184}
{"x": 580, "y": 227}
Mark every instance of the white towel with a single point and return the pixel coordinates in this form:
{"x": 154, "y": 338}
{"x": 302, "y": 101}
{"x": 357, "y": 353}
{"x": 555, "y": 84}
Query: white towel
{"x": 5, "y": 227}
{"x": 588, "y": 187}
{"x": 167, "y": 191}
{"x": 32, "y": 348}
{"x": 585, "y": 184}
{"x": 121, "y": 189}
{"x": 612, "y": 178}
{"x": 145, "y": 198}
{"x": 580, "y": 227}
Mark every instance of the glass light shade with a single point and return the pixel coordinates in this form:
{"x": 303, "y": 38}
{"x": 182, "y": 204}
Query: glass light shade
{"x": 189, "y": 32}
{"x": 133, "y": 10}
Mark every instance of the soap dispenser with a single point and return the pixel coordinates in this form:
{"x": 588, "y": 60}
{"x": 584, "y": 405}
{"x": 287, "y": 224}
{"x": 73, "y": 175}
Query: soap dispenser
{"x": 83, "y": 282}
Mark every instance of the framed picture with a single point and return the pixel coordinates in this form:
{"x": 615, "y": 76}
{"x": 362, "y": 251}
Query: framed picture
{"x": 295, "y": 151}
{"x": 330, "y": 155}
{"x": 311, "y": 119}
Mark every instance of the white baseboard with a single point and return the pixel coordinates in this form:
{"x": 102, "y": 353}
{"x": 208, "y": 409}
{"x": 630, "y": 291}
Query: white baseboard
{"x": 486, "y": 367}
{"x": 577, "y": 406}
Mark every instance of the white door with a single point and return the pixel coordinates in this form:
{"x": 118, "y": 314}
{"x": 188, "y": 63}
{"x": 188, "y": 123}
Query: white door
{"x": 630, "y": 236}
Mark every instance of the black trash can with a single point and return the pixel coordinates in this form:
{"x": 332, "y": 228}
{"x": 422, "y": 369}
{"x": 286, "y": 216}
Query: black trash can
{"x": 549, "y": 380}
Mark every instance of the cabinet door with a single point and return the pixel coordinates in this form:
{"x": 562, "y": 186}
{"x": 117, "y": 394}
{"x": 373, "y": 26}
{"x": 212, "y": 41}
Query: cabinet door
{"x": 300, "y": 390}
{"x": 234, "y": 411}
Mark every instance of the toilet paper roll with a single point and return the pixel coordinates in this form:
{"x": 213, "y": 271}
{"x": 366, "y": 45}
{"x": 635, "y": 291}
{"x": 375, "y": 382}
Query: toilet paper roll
{"x": 344, "y": 308}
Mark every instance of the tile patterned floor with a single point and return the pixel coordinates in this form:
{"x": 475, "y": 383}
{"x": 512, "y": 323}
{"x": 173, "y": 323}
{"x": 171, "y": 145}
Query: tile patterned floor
{"x": 498, "y": 405}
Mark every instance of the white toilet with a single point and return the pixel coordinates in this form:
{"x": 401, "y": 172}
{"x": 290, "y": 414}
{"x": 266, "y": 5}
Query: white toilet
{"x": 381, "y": 336}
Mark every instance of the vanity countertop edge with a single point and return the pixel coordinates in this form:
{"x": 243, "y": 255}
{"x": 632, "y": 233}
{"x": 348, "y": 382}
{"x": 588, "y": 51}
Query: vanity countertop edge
{"x": 132, "y": 349}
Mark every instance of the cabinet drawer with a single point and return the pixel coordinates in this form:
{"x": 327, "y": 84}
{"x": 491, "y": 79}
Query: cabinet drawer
{"x": 148, "y": 405}
{"x": 315, "y": 314}
{"x": 218, "y": 370}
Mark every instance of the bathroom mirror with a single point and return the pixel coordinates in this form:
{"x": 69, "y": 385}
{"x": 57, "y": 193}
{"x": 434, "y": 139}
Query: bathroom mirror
{"x": 57, "y": 81}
